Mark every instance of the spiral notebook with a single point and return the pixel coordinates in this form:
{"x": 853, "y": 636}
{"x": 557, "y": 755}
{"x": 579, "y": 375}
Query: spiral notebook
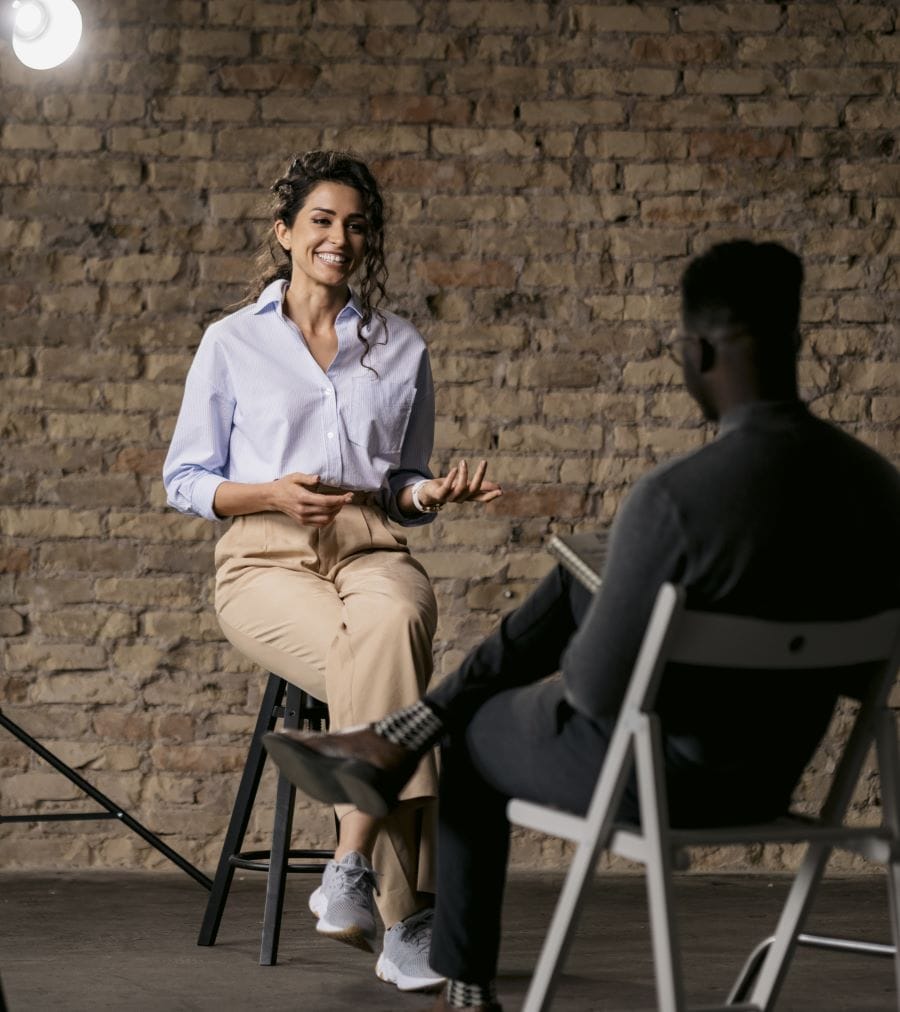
{"x": 584, "y": 555}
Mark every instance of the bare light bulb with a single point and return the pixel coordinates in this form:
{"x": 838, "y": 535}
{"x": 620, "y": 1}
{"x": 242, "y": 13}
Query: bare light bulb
{"x": 45, "y": 32}
{"x": 30, "y": 19}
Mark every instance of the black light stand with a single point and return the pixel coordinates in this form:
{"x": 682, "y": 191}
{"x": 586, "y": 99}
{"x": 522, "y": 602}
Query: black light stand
{"x": 113, "y": 811}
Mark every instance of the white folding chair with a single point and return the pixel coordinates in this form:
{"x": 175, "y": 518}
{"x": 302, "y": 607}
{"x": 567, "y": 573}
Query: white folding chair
{"x": 675, "y": 634}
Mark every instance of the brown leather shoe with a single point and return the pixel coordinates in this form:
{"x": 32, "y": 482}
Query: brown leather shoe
{"x": 358, "y": 767}
{"x": 441, "y": 1006}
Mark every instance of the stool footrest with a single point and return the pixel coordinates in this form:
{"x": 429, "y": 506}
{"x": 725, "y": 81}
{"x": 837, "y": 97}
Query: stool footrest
{"x": 258, "y": 860}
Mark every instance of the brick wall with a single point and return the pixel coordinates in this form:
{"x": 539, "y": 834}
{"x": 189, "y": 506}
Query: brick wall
{"x": 551, "y": 167}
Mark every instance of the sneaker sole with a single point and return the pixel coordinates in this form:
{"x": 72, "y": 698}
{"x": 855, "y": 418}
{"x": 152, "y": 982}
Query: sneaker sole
{"x": 313, "y": 773}
{"x": 353, "y": 936}
{"x": 388, "y": 972}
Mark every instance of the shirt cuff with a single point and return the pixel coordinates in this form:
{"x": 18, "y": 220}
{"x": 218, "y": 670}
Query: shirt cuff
{"x": 203, "y": 493}
{"x": 390, "y": 506}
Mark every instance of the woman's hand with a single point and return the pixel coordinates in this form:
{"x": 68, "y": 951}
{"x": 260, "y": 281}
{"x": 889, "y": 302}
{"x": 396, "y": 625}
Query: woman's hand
{"x": 295, "y": 496}
{"x": 292, "y": 495}
{"x": 456, "y": 486}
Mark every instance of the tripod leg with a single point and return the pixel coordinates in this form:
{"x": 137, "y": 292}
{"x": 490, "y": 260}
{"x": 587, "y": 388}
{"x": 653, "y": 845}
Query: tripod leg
{"x": 103, "y": 800}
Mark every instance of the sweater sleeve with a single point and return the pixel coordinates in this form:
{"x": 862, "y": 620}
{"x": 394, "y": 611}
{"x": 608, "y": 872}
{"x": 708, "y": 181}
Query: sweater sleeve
{"x": 647, "y": 548}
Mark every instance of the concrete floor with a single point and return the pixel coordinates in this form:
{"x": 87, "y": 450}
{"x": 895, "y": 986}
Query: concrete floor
{"x": 97, "y": 941}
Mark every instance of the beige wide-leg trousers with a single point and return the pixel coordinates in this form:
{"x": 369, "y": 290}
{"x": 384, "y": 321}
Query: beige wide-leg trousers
{"x": 347, "y": 614}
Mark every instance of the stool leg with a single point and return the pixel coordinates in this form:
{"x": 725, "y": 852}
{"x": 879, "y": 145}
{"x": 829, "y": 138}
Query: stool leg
{"x": 240, "y": 815}
{"x": 281, "y": 845}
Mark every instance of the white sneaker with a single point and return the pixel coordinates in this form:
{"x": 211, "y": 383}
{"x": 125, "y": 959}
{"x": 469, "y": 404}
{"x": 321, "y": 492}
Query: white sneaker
{"x": 344, "y": 902}
{"x": 404, "y": 957}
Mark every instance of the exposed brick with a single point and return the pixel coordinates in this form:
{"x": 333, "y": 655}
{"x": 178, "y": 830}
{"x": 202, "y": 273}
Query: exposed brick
{"x": 420, "y": 45}
{"x": 549, "y": 169}
{"x": 469, "y": 565}
{"x": 577, "y": 112}
{"x": 11, "y": 622}
{"x": 539, "y": 502}
{"x": 214, "y": 42}
{"x": 301, "y": 109}
{"x": 267, "y": 76}
{"x": 827, "y": 81}
{"x": 727, "y": 82}
{"x": 645, "y": 81}
{"x": 14, "y": 559}
{"x": 84, "y": 625}
{"x": 552, "y": 437}
{"x": 675, "y": 113}
{"x": 740, "y": 145}
{"x": 422, "y": 109}
{"x": 745, "y": 17}
{"x": 48, "y": 523}
{"x": 154, "y": 141}
{"x": 169, "y": 527}
{"x": 64, "y": 363}
{"x": 47, "y": 658}
{"x": 191, "y": 108}
{"x": 470, "y": 274}
{"x": 621, "y": 18}
{"x": 399, "y": 13}
{"x": 676, "y": 49}
{"x": 497, "y": 14}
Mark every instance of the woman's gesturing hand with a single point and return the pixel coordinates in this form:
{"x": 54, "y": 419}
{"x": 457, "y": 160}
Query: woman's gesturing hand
{"x": 458, "y": 486}
{"x": 295, "y": 495}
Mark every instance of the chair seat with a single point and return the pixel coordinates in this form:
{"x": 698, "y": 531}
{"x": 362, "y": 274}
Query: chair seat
{"x": 871, "y": 842}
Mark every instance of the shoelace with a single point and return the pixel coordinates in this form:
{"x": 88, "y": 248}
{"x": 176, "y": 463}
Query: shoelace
{"x": 357, "y": 880}
{"x": 417, "y": 932}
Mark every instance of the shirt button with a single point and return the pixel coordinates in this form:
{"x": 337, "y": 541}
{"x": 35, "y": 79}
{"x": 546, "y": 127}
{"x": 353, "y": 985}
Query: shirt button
{"x": 330, "y": 435}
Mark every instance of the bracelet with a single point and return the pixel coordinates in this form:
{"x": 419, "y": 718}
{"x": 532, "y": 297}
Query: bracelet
{"x": 417, "y": 502}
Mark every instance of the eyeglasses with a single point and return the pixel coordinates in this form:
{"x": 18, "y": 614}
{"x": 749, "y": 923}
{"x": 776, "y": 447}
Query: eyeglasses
{"x": 674, "y": 348}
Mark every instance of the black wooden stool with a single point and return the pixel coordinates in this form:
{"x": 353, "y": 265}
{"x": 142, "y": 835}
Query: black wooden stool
{"x": 299, "y": 709}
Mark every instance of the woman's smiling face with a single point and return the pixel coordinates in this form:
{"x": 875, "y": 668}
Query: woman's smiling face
{"x": 327, "y": 240}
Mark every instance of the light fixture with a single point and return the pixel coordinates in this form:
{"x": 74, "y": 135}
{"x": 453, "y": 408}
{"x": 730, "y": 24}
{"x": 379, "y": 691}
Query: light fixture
{"x": 45, "y": 32}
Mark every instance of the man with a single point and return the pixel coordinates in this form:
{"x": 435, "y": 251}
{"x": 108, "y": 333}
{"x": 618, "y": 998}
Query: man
{"x": 782, "y": 516}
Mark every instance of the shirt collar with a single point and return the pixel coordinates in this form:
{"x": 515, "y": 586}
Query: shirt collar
{"x": 273, "y": 296}
{"x": 766, "y": 412}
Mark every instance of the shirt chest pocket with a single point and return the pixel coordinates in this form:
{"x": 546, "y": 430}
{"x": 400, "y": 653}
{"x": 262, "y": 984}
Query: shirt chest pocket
{"x": 378, "y": 414}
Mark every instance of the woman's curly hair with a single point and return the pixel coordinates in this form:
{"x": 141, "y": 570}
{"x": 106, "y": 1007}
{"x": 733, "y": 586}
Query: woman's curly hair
{"x": 289, "y": 193}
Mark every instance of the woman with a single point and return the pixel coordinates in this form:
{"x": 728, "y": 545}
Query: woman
{"x": 308, "y": 417}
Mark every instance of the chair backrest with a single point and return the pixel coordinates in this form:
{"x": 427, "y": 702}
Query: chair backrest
{"x": 709, "y": 639}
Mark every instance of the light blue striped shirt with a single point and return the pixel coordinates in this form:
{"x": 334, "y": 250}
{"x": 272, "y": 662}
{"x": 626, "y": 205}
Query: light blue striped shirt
{"x": 257, "y": 406}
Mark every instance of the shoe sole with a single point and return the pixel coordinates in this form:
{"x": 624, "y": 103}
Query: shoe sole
{"x": 388, "y": 972}
{"x": 353, "y": 936}
{"x": 358, "y": 782}
{"x": 312, "y": 772}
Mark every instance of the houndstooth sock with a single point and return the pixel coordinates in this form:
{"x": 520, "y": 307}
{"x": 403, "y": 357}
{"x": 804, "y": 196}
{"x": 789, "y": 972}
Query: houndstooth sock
{"x": 462, "y": 995}
{"x": 416, "y": 727}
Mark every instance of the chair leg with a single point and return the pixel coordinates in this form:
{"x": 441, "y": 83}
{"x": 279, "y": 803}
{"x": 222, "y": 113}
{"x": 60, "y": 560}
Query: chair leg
{"x": 281, "y": 844}
{"x": 607, "y": 797}
{"x": 650, "y": 766}
{"x": 240, "y": 815}
{"x": 562, "y": 926}
{"x": 774, "y": 969}
{"x": 889, "y": 771}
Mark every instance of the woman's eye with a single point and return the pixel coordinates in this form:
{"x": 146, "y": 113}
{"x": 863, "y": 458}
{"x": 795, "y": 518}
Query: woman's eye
{"x": 358, "y": 228}
{"x": 321, "y": 221}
